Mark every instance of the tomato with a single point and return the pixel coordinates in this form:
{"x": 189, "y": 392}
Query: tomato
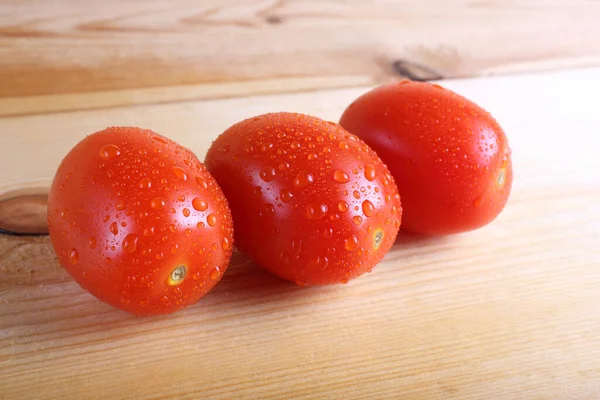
{"x": 139, "y": 222}
{"x": 310, "y": 202}
{"x": 449, "y": 157}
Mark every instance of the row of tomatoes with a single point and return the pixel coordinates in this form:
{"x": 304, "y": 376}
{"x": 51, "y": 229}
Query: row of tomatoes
{"x": 143, "y": 225}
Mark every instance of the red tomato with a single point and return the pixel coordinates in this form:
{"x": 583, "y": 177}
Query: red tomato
{"x": 449, "y": 157}
{"x": 139, "y": 222}
{"x": 311, "y": 203}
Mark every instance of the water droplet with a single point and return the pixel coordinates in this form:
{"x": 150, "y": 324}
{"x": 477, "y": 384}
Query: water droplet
{"x": 202, "y": 183}
{"x": 199, "y": 204}
{"x": 312, "y": 156}
{"x": 351, "y": 243}
{"x": 144, "y": 301}
{"x": 478, "y": 201}
{"x": 145, "y": 183}
{"x": 215, "y": 273}
{"x": 186, "y": 212}
{"x": 121, "y": 206}
{"x": 283, "y": 166}
{"x": 211, "y": 220}
{"x": 269, "y": 210}
{"x": 109, "y": 151}
{"x": 175, "y": 249}
{"x": 356, "y": 194}
{"x": 200, "y": 225}
{"x": 357, "y": 219}
{"x": 92, "y": 243}
{"x": 326, "y": 150}
{"x": 149, "y": 231}
{"x": 73, "y": 256}
{"x": 130, "y": 243}
{"x": 284, "y": 257}
{"x": 368, "y": 208}
{"x": 343, "y": 145}
{"x": 370, "y": 172}
{"x": 343, "y": 206}
{"x": 303, "y": 179}
{"x": 296, "y": 246}
{"x": 108, "y": 260}
{"x": 225, "y": 244}
{"x": 180, "y": 173}
{"x": 327, "y": 233}
{"x": 286, "y": 195}
{"x": 157, "y": 203}
{"x": 224, "y": 149}
{"x": 268, "y": 174}
{"x": 388, "y": 197}
{"x": 344, "y": 281}
{"x": 266, "y": 147}
{"x": 340, "y": 176}
{"x": 316, "y": 211}
{"x": 114, "y": 229}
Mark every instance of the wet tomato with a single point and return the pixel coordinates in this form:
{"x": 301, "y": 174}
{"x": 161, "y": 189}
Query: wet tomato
{"x": 310, "y": 202}
{"x": 138, "y": 221}
{"x": 449, "y": 157}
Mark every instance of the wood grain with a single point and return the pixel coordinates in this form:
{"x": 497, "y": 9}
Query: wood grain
{"x": 74, "y": 46}
{"x": 511, "y": 311}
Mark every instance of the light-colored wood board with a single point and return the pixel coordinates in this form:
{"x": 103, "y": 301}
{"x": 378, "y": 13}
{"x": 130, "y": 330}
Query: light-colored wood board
{"x": 74, "y": 46}
{"x": 511, "y": 311}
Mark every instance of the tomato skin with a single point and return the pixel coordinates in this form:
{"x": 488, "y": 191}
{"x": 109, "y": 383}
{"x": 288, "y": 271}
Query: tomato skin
{"x": 449, "y": 157}
{"x": 126, "y": 208}
{"x": 299, "y": 195}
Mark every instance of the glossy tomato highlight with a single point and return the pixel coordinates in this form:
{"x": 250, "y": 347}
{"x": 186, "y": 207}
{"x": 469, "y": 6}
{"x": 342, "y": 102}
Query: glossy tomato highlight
{"x": 449, "y": 157}
{"x": 311, "y": 203}
{"x": 139, "y": 222}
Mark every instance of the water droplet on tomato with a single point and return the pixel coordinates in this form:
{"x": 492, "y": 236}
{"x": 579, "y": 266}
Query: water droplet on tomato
{"x": 130, "y": 243}
{"x": 268, "y": 174}
{"x": 92, "y": 243}
{"x": 121, "y": 206}
{"x": 180, "y": 173}
{"x": 108, "y": 260}
{"x": 283, "y": 166}
{"x": 202, "y": 183}
{"x": 343, "y": 206}
{"x": 296, "y": 246}
{"x": 225, "y": 244}
{"x": 157, "y": 203}
{"x": 356, "y": 194}
{"x": 478, "y": 201}
{"x": 357, "y": 219}
{"x": 284, "y": 257}
{"x": 109, "y": 151}
{"x": 368, "y": 208}
{"x": 312, "y": 156}
{"x": 114, "y": 229}
{"x": 269, "y": 210}
{"x": 175, "y": 249}
{"x": 286, "y": 195}
{"x": 303, "y": 179}
{"x": 215, "y": 273}
{"x": 351, "y": 243}
{"x": 199, "y": 204}
{"x": 149, "y": 231}
{"x": 343, "y": 145}
{"x": 211, "y": 220}
{"x": 200, "y": 225}
{"x": 73, "y": 256}
{"x": 145, "y": 183}
{"x": 316, "y": 211}
{"x": 340, "y": 176}
{"x": 370, "y": 172}
{"x": 186, "y": 212}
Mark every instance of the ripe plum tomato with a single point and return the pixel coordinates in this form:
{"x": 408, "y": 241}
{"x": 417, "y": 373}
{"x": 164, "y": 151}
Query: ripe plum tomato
{"x": 449, "y": 157}
{"x": 311, "y": 203}
{"x": 139, "y": 222}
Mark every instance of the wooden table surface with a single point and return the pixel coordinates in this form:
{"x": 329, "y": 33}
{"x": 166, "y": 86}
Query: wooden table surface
{"x": 511, "y": 311}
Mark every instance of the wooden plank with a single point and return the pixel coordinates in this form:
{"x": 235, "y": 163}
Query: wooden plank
{"x": 75, "y": 46}
{"x": 507, "y": 312}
